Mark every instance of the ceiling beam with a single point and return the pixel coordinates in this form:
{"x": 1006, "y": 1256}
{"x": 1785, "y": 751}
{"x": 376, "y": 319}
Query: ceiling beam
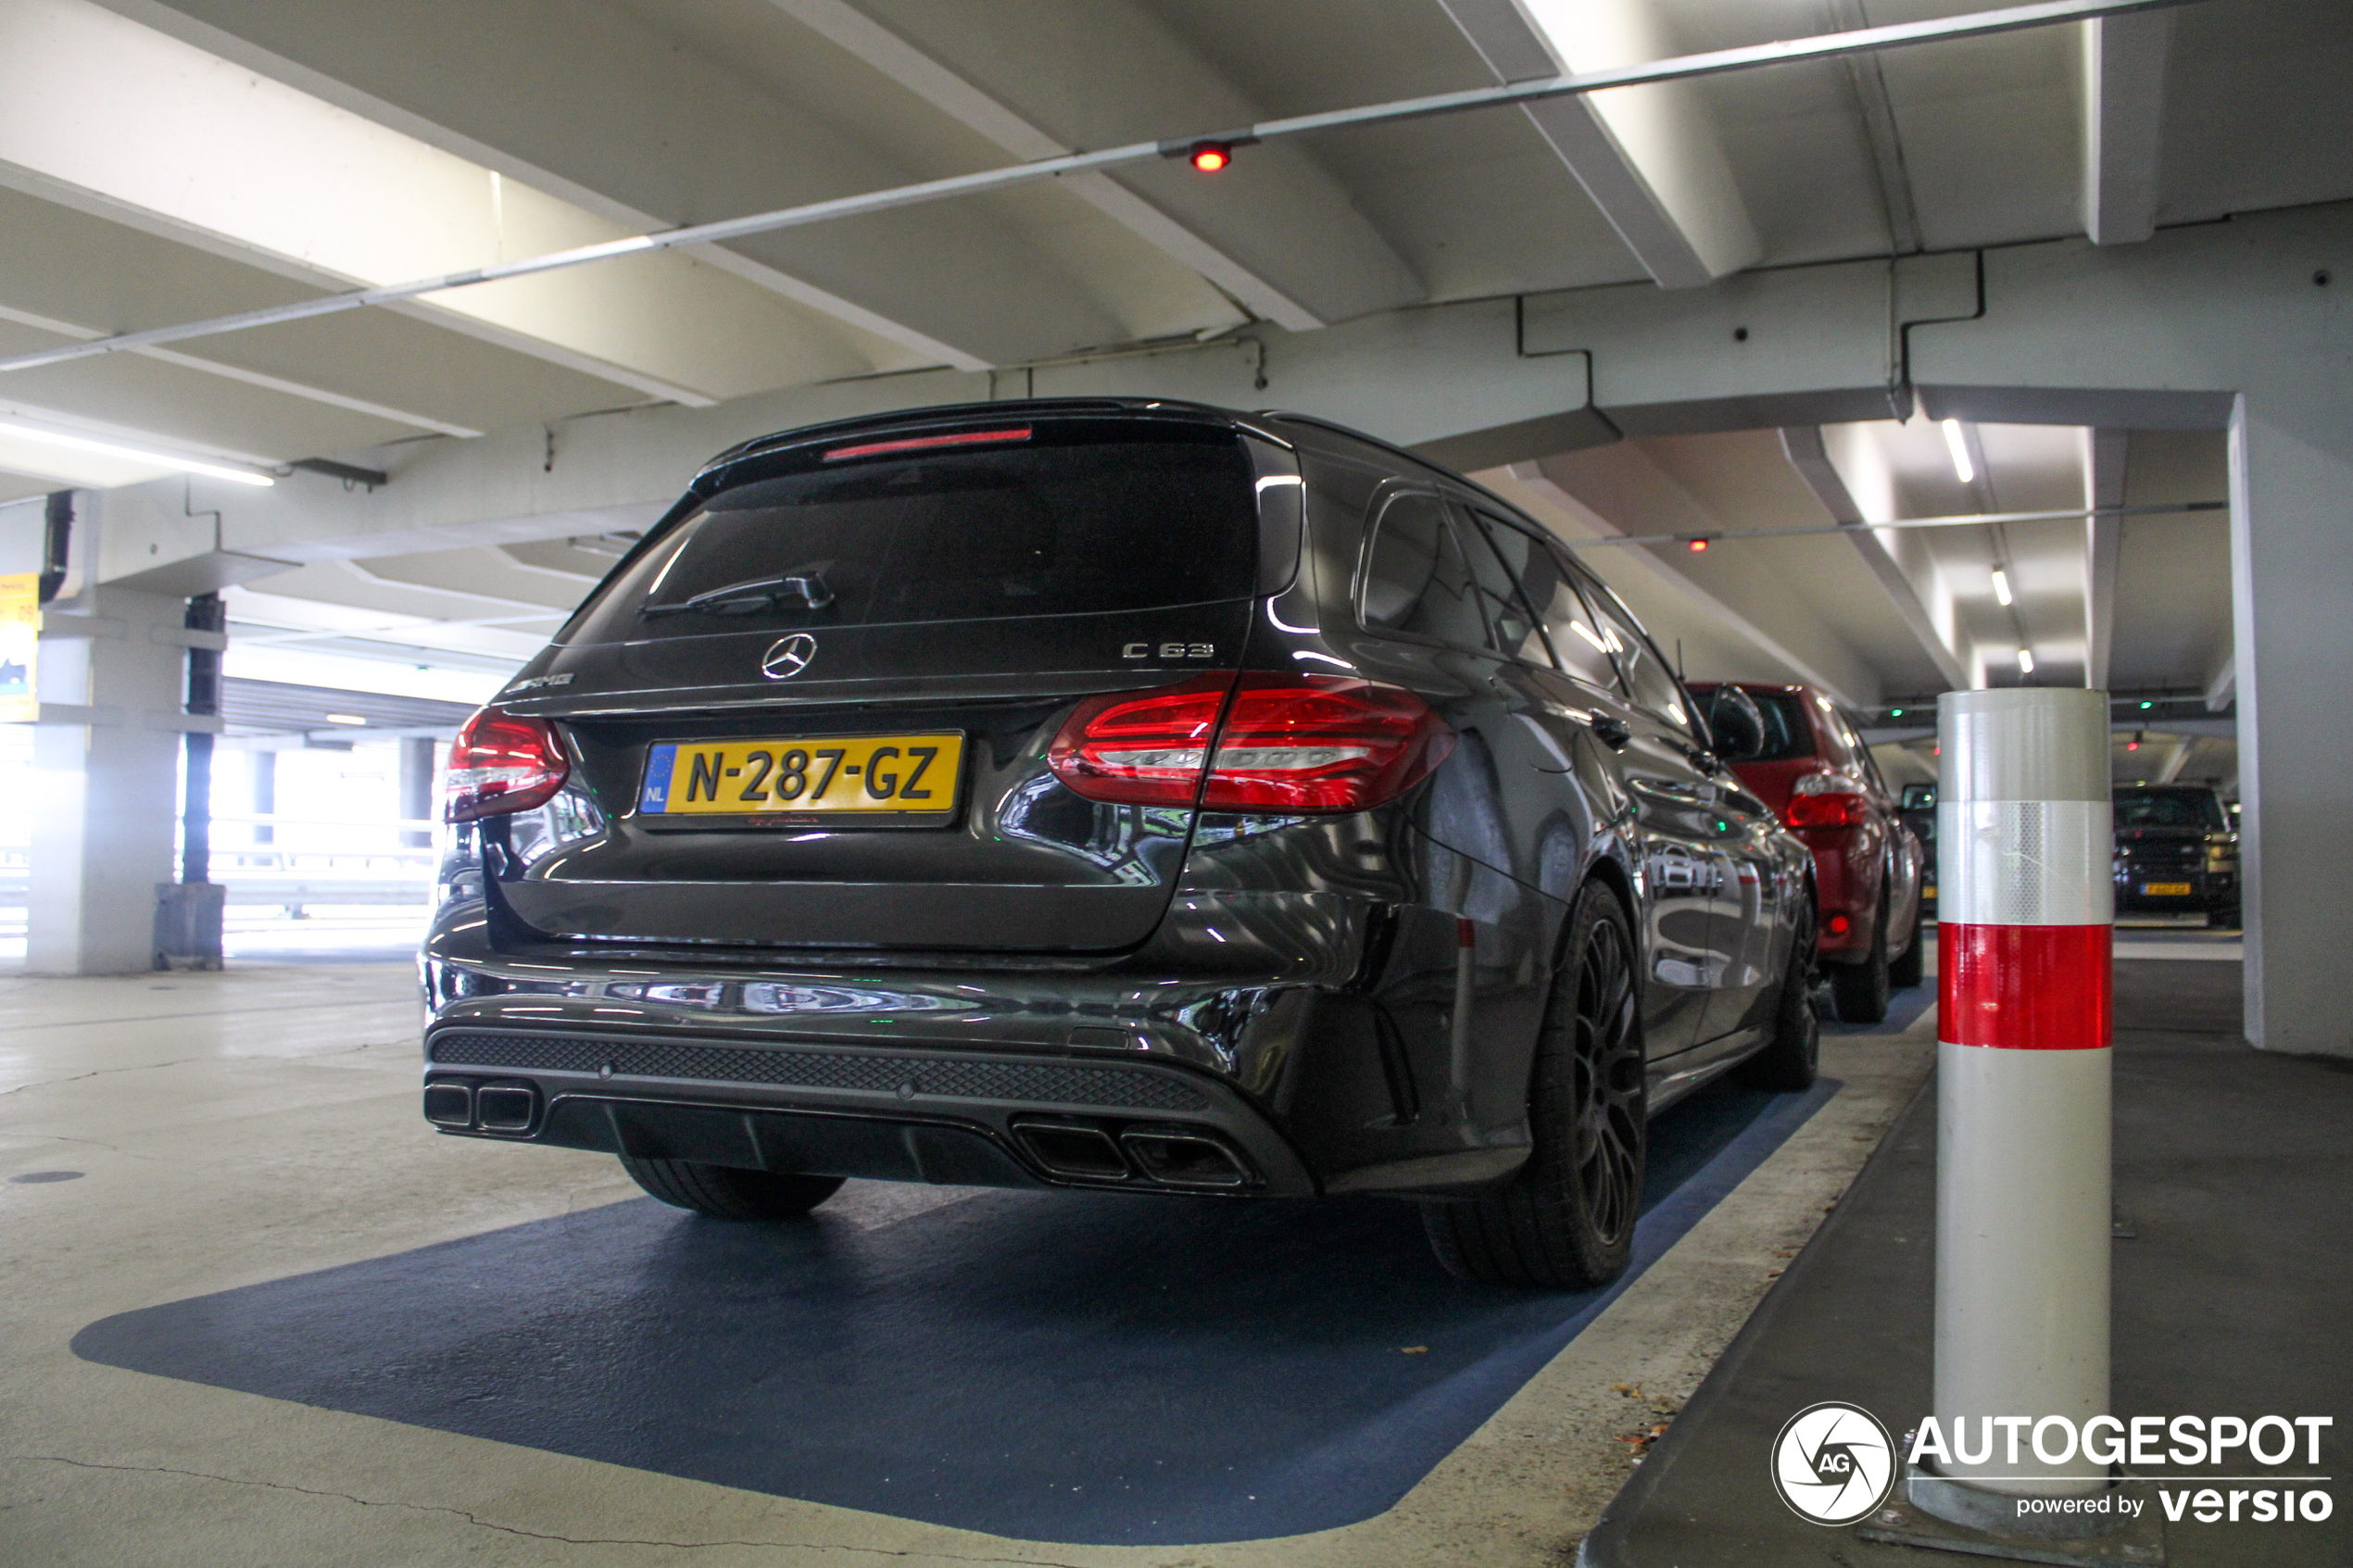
{"x": 1573, "y": 519}
{"x": 117, "y": 118}
{"x": 79, "y": 333}
{"x": 1882, "y": 136}
{"x": 649, "y": 136}
{"x": 2123, "y": 99}
{"x": 2176, "y": 759}
{"x": 1810, "y": 457}
{"x": 2104, "y": 456}
{"x": 1647, "y": 156}
{"x": 2222, "y": 683}
{"x": 942, "y": 87}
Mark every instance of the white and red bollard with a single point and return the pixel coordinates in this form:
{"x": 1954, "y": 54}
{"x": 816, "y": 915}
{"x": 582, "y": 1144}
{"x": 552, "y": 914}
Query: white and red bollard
{"x": 2025, "y": 913}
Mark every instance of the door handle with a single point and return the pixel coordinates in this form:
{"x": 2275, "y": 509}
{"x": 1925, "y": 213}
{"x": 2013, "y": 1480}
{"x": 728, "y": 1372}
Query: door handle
{"x": 1612, "y": 731}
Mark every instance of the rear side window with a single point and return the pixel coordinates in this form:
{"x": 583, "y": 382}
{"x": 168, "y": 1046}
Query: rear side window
{"x": 1414, "y": 577}
{"x": 1511, "y": 568}
{"x": 1578, "y": 642}
{"x": 1078, "y": 521}
{"x": 1787, "y": 735}
{"x": 1648, "y": 680}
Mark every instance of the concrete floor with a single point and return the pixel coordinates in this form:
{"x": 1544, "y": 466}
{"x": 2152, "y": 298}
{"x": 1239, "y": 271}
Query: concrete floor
{"x": 233, "y": 1130}
{"x": 2233, "y": 1174}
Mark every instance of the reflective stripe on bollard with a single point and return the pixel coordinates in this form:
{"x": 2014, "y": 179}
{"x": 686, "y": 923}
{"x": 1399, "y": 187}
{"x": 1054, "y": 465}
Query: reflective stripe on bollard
{"x": 2025, "y": 912}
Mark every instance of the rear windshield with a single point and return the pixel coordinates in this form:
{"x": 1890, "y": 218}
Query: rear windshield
{"x": 1072, "y": 521}
{"x": 1786, "y": 732}
{"x": 2174, "y": 808}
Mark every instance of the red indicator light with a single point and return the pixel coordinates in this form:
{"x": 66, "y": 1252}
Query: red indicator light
{"x": 916, "y": 443}
{"x": 1696, "y": 547}
{"x": 1211, "y": 157}
{"x": 1837, "y": 924}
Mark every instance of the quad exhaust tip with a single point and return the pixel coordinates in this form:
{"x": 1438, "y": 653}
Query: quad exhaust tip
{"x": 1190, "y": 1159}
{"x": 449, "y": 1105}
{"x": 1075, "y": 1150}
{"x": 492, "y": 1107}
{"x": 506, "y": 1107}
{"x": 1180, "y": 1158}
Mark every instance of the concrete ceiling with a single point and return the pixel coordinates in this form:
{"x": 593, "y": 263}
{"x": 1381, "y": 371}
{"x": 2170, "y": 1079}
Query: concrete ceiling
{"x": 167, "y": 162}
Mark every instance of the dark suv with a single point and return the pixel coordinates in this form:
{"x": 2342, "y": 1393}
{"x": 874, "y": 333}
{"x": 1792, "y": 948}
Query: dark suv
{"x": 1118, "y": 795}
{"x": 2176, "y": 853}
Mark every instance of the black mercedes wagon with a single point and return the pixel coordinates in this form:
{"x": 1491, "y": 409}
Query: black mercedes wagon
{"x": 1117, "y": 796}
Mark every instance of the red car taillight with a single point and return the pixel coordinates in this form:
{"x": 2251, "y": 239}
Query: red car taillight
{"x": 1287, "y": 743}
{"x": 1826, "y": 800}
{"x": 501, "y": 762}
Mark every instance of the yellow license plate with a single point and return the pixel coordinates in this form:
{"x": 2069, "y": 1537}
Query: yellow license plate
{"x": 2166, "y": 889}
{"x": 896, "y": 780}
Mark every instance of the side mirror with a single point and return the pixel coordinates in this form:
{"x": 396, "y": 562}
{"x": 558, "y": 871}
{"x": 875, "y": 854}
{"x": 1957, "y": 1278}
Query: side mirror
{"x": 1736, "y": 722}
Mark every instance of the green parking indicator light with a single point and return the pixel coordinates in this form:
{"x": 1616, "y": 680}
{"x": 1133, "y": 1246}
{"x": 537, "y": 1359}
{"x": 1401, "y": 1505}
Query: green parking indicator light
{"x": 2149, "y": 705}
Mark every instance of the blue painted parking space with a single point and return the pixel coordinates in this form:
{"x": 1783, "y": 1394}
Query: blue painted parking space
{"x": 1062, "y": 1367}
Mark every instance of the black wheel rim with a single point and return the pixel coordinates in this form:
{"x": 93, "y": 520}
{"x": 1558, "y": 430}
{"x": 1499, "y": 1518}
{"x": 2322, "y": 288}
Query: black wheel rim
{"x": 1609, "y": 1085}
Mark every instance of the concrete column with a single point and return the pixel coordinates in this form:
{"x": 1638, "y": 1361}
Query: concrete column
{"x": 2291, "y": 601}
{"x": 106, "y": 776}
{"x": 418, "y": 799}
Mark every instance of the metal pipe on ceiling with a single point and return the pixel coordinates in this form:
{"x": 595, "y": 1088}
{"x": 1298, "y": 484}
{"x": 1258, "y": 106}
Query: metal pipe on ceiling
{"x": 1965, "y": 520}
{"x": 1830, "y": 45}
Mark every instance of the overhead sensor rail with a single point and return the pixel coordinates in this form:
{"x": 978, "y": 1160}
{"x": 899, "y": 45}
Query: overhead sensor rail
{"x": 1829, "y": 45}
{"x": 1963, "y": 520}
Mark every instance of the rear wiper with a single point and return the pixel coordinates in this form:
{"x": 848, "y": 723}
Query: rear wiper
{"x": 749, "y": 598}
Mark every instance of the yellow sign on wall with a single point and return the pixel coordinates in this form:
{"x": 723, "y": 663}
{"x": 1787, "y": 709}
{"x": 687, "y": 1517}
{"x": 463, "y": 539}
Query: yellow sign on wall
{"x": 19, "y": 647}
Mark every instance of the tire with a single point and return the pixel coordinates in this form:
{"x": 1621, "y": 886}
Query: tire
{"x": 1566, "y": 1222}
{"x": 1791, "y": 1059}
{"x": 1861, "y": 990}
{"x": 1912, "y": 968}
{"x": 724, "y": 1193}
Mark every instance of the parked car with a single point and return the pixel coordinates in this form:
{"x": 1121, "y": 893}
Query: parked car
{"x": 1917, "y": 811}
{"x": 2177, "y": 852}
{"x": 1815, "y": 770}
{"x": 1113, "y": 796}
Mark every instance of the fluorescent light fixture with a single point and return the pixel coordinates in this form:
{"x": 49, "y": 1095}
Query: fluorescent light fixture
{"x": 2026, "y": 661}
{"x": 172, "y": 460}
{"x": 2000, "y": 585}
{"x": 345, "y": 719}
{"x": 1958, "y": 444}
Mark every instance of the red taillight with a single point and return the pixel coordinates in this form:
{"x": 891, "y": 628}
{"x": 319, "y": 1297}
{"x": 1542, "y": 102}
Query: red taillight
{"x": 501, "y": 762}
{"x": 1141, "y": 748}
{"x": 1287, "y": 743}
{"x": 1838, "y": 808}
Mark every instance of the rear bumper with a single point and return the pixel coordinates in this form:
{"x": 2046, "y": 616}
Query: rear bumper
{"x": 957, "y": 1118}
{"x": 1311, "y": 1035}
{"x": 1842, "y": 886}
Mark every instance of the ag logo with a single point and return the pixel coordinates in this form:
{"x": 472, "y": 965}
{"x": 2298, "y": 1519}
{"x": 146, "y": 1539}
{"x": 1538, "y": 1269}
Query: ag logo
{"x": 787, "y": 656}
{"x": 1833, "y": 1463}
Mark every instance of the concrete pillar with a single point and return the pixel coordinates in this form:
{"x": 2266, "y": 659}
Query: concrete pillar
{"x": 2292, "y": 587}
{"x": 418, "y": 796}
{"x": 106, "y": 771}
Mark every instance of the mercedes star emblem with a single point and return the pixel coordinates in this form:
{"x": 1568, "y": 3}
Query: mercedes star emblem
{"x": 787, "y": 656}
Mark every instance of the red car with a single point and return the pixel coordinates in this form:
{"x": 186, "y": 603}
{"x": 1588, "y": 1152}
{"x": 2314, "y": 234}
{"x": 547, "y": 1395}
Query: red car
{"x": 1819, "y": 777}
